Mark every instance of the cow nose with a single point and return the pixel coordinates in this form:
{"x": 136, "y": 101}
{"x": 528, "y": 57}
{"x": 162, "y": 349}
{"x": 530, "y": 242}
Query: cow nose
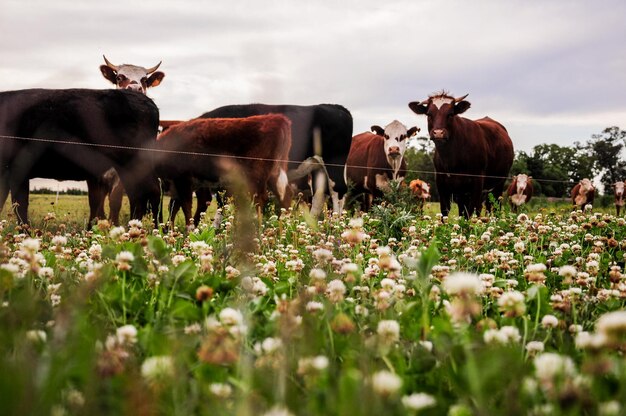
{"x": 438, "y": 134}
{"x": 394, "y": 151}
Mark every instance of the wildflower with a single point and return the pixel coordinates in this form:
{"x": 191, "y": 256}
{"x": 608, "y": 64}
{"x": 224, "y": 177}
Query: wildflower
{"x": 231, "y": 317}
{"x": 550, "y": 367}
{"x": 123, "y": 260}
{"x": 322, "y": 255}
{"x": 461, "y": 283}
{"x": 335, "y": 290}
{"x": 204, "y": 293}
{"x": 388, "y": 331}
{"x": 231, "y": 272}
{"x": 549, "y": 321}
{"x": 568, "y": 273}
{"x": 612, "y": 325}
{"x": 312, "y": 365}
{"x": 36, "y": 336}
{"x": 386, "y": 383}
{"x": 314, "y": 306}
{"x": 317, "y": 274}
{"x": 342, "y": 324}
{"x": 534, "y": 347}
{"x": 194, "y": 328}
{"x": 46, "y": 272}
{"x": 178, "y": 259}
{"x": 278, "y": 411}
{"x": 511, "y": 304}
{"x": 126, "y": 335}
{"x": 31, "y": 245}
{"x": 535, "y": 273}
{"x": 418, "y": 401}
{"x": 157, "y": 369}
{"x": 610, "y": 408}
{"x": 116, "y": 233}
{"x": 221, "y": 390}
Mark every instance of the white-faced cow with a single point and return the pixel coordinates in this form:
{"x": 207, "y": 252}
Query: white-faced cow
{"x": 618, "y": 190}
{"x": 124, "y": 77}
{"x": 472, "y": 158}
{"x": 256, "y": 147}
{"x": 376, "y": 159}
{"x": 77, "y": 134}
{"x": 421, "y": 191}
{"x": 520, "y": 191}
{"x": 334, "y": 124}
{"x": 583, "y": 193}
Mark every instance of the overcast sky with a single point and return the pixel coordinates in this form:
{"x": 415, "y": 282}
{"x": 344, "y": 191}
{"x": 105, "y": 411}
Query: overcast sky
{"x": 550, "y": 71}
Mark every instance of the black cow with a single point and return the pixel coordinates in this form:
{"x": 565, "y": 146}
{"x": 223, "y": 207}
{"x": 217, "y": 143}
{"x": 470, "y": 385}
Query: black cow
{"x": 334, "y": 123}
{"x": 75, "y": 134}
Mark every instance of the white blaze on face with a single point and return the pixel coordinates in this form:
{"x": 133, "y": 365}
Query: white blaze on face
{"x": 522, "y": 181}
{"x": 440, "y": 101}
{"x": 619, "y": 188}
{"x": 132, "y": 77}
{"x": 395, "y": 145}
{"x": 585, "y": 186}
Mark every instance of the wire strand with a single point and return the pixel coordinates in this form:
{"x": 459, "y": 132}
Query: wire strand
{"x": 217, "y": 155}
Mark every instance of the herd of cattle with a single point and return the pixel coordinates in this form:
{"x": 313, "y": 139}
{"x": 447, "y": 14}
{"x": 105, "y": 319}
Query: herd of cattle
{"x": 114, "y": 140}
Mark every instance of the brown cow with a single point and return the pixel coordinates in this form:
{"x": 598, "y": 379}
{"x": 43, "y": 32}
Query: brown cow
{"x": 257, "y": 147}
{"x": 520, "y": 191}
{"x": 472, "y": 158}
{"x": 421, "y": 191}
{"x": 618, "y": 189}
{"x": 583, "y": 194}
{"x": 375, "y": 159}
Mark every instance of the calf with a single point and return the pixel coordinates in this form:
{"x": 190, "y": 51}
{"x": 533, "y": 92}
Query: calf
{"x": 421, "y": 192}
{"x": 618, "y": 188}
{"x": 583, "y": 193}
{"x": 375, "y": 159}
{"x": 520, "y": 191}
{"x": 206, "y": 150}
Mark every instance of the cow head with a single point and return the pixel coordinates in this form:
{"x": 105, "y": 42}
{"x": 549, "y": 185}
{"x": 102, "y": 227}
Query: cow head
{"x": 395, "y": 135}
{"x": 522, "y": 181}
{"x": 420, "y": 189}
{"x": 585, "y": 186}
{"x": 440, "y": 109}
{"x": 132, "y": 77}
{"x": 618, "y": 187}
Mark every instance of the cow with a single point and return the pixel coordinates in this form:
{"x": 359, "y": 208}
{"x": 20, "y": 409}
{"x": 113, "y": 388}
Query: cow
{"x": 377, "y": 158}
{"x": 205, "y": 151}
{"x": 78, "y": 134}
{"x": 520, "y": 191}
{"x": 583, "y": 194}
{"x": 334, "y": 124}
{"x": 472, "y": 157}
{"x": 125, "y": 77}
{"x": 421, "y": 191}
{"x": 618, "y": 190}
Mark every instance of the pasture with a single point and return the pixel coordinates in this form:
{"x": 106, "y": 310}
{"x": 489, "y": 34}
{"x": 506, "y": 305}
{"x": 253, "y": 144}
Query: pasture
{"x": 392, "y": 312}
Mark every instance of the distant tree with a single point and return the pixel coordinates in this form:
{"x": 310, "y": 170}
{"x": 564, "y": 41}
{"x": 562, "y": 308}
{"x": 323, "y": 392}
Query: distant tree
{"x": 606, "y": 149}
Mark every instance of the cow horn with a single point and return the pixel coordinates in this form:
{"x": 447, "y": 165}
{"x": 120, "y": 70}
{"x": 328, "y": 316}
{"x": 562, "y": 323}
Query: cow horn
{"x": 110, "y": 65}
{"x": 457, "y": 100}
{"x": 154, "y": 68}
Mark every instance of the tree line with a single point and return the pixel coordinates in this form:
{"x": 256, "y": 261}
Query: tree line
{"x": 555, "y": 169}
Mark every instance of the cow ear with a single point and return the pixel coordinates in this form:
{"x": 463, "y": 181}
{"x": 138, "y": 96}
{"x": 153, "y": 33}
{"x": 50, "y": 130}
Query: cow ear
{"x": 412, "y": 131}
{"x": 461, "y": 107}
{"x": 378, "y": 130}
{"x": 155, "y": 79}
{"x": 108, "y": 73}
{"x": 418, "y": 108}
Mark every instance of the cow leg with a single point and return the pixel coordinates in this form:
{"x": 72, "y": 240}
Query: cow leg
{"x": 115, "y": 202}
{"x": 475, "y": 199}
{"x": 19, "y": 196}
{"x": 617, "y": 207}
{"x": 319, "y": 185}
{"x": 204, "y": 197}
{"x": 184, "y": 197}
{"x": 173, "y": 208}
{"x": 4, "y": 189}
{"x": 96, "y": 193}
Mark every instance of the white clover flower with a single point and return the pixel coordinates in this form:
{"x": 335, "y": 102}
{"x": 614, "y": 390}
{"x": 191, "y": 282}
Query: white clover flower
{"x": 335, "y": 290}
{"x": 178, "y": 259}
{"x": 278, "y": 411}
{"x": 46, "y": 272}
{"x": 549, "y": 366}
{"x": 317, "y": 274}
{"x": 313, "y": 306}
{"x": 271, "y": 345}
{"x": 511, "y": 303}
{"x": 388, "y": 331}
{"x": 36, "y": 336}
{"x": 157, "y": 368}
{"x": 461, "y": 283}
{"x": 418, "y": 401}
{"x": 386, "y": 383}
{"x": 349, "y": 268}
{"x": 231, "y": 317}
{"x": 59, "y": 240}
{"x": 612, "y": 325}
{"x": 31, "y": 244}
{"x": 534, "y": 347}
{"x": 549, "y": 321}
{"x": 610, "y": 408}
{"x": 126, "y": 335}
{"x": 568, "y": 271}
{"x": 510, "y": 333}
{"x": 116, "y": 232}
{"x": 322, "y": 255}
{"x": 221, "y": 390}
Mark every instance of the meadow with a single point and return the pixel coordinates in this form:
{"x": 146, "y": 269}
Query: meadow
{"x": 395, "y": 312}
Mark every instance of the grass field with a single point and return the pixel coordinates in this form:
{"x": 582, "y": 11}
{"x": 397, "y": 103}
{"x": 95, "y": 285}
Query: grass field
{"x": 392, "y": 312}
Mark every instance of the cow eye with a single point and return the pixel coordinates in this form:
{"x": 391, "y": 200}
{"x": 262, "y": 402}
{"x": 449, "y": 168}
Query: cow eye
{"x": 120, "y": 78}
{"x": 144, "y": 80}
